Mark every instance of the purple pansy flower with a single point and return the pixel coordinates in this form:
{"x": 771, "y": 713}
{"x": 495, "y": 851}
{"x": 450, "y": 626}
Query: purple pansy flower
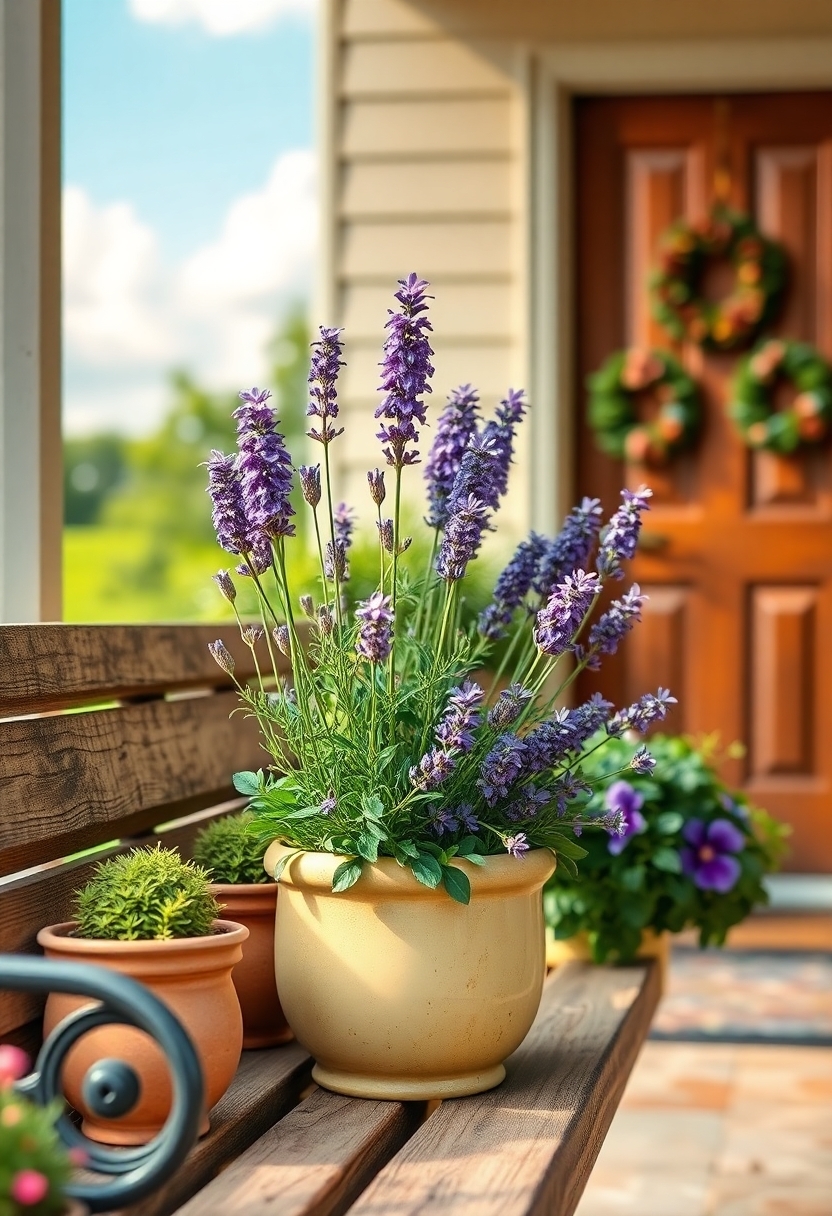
{"x": 626, "y": 801}
{"x": 708, "y": 858}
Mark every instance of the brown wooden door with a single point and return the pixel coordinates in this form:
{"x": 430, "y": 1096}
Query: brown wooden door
{"x": 739, "y": 621}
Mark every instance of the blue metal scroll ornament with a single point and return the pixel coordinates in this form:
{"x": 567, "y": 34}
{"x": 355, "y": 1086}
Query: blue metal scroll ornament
{"x": 111, "y": 1087}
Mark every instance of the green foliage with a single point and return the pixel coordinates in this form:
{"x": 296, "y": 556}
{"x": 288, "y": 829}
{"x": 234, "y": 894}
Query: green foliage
{"x": 229, "y": 852}
{"x": 643, "y": 887}
{"x": 146, "y": 895}
{"x": 29, "y": 1141}
{"x": 93, "y": 468}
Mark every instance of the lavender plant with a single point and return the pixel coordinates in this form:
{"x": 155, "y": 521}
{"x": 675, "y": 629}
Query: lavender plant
{"x": 383, "y": 743}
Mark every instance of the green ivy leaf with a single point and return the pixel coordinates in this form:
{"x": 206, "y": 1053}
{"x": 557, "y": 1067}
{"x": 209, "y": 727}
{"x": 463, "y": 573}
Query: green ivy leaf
{"x": 669, "y": 822}
{"x": 247, "y": 783}
{"x": 373, "y": 806}
{"x": 428, "y": 846}
{"x": 632, "y": 879}
{"x": 346, "y": 875}
{"x": 667, "y": 859}
{"x": 367, "y": 843}
{"x": 568, "y": 848}
{"x": 305, "y": 812}
{"x": 284, "y": 861}
{"x": 456, "y": 884}
{"x": 427, "y": 870}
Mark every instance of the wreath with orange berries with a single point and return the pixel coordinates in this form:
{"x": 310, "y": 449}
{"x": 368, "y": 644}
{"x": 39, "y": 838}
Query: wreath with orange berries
{"x": 632, "y": 378}
{"x": 807, "y": 420}
{"x": 685, "y": 250}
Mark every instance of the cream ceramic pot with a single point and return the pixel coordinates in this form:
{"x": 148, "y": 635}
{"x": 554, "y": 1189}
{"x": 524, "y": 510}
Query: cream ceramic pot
{"x": 398, "y": 991}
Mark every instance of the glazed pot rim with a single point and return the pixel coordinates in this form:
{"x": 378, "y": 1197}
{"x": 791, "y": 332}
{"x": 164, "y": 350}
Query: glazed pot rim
{"x": 60, "y": 937}
{"x": 501, "y": 874}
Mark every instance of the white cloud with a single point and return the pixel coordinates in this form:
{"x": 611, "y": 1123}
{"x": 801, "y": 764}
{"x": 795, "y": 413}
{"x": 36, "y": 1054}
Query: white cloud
{"x": 220, "y": 18}
{"x": 129, "y": 317}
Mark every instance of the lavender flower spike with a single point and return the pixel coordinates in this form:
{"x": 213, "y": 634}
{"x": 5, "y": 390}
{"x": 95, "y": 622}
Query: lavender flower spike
{"x": 607, "y": 632}
{"x": 571, "y": 548}
{"x": 502, "y": 767}
{"x": 643, "y": 763}
{"x": 226, "y": 585}
{"x": 509, "y": 706}
{"x": 462, "y": 539}
{"x": 344, "y": 520}
{"x": 620, "y": 537}
{"x": 310, "y": 483}
{"x": 375, "y": 632}
{"x": 376, "y": 482}
{"x": 568, "y": 604}
{"x": 406, "y": 369}
{"x": 432, "y": 770}
{"x": 228, "y": 513}
{"x": 222, "y": 656}
{"x": 323, "y": 384}
{"x": 512, "y": 587}
{"x": 265, "y": 467}
{"x": 456, "y": 427}
{"x": 501, "y": 433}
{"x": 642, "y": 713}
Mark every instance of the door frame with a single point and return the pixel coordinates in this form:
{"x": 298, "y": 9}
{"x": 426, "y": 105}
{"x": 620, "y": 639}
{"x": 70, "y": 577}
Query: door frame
{"x": 553, "y": 77}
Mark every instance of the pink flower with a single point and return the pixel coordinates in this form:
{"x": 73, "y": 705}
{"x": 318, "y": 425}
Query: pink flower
{"x": 14, "y": 1064}
{"x": 29, "y": 1187}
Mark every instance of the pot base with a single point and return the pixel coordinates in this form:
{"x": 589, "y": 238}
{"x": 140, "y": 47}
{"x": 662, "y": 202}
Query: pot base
{"x": 251, "y": 1042}
{"x": 407, "y": 1089}
{"x": 108, "y": 1132}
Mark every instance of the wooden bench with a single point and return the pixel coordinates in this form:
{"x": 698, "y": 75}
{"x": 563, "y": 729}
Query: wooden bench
{"x": 146, "y": 754}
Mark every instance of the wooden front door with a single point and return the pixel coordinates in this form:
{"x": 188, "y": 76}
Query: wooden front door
{"x": 737, "y": 559}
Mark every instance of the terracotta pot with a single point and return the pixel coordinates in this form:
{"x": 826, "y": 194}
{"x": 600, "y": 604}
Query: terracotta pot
{"x": 253, "y": 905}
{"x": 399, "y": 992}
{"x": 653, "y": 945}
{"x": 193, "y": 978}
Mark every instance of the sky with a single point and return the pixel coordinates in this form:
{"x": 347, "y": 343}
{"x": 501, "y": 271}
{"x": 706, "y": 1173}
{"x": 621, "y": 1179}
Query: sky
{"x": 190, "y": 214}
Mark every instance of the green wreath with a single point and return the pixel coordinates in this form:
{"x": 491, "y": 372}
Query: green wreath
{"x": 809, "y": 417}
{"x": 760, "y": 277}
{"x": 613, "y": 416}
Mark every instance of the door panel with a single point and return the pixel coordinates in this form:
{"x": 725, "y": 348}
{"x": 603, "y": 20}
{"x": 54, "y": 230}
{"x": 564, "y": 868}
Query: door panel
{"x": 739, "y": 563}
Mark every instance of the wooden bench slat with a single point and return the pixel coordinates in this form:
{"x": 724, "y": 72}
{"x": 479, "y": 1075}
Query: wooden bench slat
{"x": 52, "y": 666}
{"x": 71, "y": 781}
{"x": 45, "y": 898}
{"x": 267, "y": 1085}
{"x": 315, "y": 1162}
{"x": 527, "y": 1147}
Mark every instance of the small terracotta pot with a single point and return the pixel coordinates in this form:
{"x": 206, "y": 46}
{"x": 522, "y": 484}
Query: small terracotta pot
{"x": 399, "y": 992}
{"x": 576, "y": 949}
{"x": 254, "y": 905}
{"x": 193, "y": 978}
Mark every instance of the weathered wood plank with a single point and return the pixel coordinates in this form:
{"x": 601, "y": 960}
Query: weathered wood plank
{"x": 267, "y": 1085}
{"x": 72, "y": 781}
{"x": 46, "y": 898}
{"x": 53, "y": 666}
{"x": 315, "y": 1162}
{"x": 527, "y": 1147}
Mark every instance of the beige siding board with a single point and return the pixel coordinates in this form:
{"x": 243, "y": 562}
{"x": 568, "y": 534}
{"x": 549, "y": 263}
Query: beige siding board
{"x": 483, "y": 247}
{"x": 418, "y": 69}
{"x": 489, "y": 367}
{"x": 465, "y": 126}
{"x": 459, "y": 310}
{"x": 380, "y": 18}
{"x": 480, "y": 188}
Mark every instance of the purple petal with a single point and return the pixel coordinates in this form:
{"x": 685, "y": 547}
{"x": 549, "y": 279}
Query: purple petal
{"x": 689, "y": 861}
{"x": 622, "y": 797}
{"x": 719, "y": 874}
{"x": 725, "y": 836}
{"x": 695, "y": 832}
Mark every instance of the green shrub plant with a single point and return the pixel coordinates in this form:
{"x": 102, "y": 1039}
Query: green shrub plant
{"x": 229, "y": 852}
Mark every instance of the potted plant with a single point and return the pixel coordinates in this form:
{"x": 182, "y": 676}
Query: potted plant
{"x": 414, "y": 816}
{"x": 230, "y": 854}
{"x": 150, "y": 915}
{"x": 35, "y": 1166}
{"x": 693, "y": 854}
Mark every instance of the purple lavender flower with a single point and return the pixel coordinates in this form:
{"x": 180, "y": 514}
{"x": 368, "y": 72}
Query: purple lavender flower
{"x": 643, "y": 763}
{"x": 385, "y": 533}
{"x": 326, "y": 621}
{"x": 500, "y": 432}
{"x": 265, "y": 467}
{"x": 566, "y": 789}
{"x": 476, "y": 474}
{"x": 465, "y": 814}
{"x": 443, "y": 821}
{"x": 310, "y": 483}
{"x": 281, "y": 637}
{"x": 620, "y": 537}
{"x": 406, "y": 369}
{"x": 511, "y": 587}
{"x": 226, "y": 585}
{"x": 456, "y": 427}
{"x": 228, "y": 513}
{"x": 375, "y": 633}
{"x": 377, "y": 491}
{"x": 509, "y": 706}
{"x": 648, "y": 709}
{"x": 621, "y": 798}
{"x": 708, "y": 856}
{"x": 502, "y": 767}
{"x": 614, "y": 624}
{"x": 329, "y": 804}
{"x": 462, "y": 538}
{"x": 260, "y": 558}
{"x": 586, "y": 719}
{"x": 567, "y": 606}
{"x": 460, "y": 718}
{"x": 222, "y": 656}
{"x": 252, "y": 634}
{"x": 517, "y": 845}
{"x": 335, "y": 562}
{"x": 571, "y": 548}
{"x": 527, "y": 806}
{"x": 550, "y": 742}
{"x": 344, "y": 520}
{"x": 323, "y": 384}
{"x": 433, "y": 769}
{"x": 308, "y": 606}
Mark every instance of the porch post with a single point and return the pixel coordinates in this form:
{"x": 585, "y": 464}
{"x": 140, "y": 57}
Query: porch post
{"x": 30, "y": 311}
